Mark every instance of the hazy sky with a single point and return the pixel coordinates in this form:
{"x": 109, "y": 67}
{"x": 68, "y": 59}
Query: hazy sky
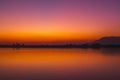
{"x": 58, "y": 20}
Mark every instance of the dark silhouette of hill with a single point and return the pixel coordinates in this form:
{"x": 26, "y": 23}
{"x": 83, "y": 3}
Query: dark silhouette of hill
{"x": 109, "y": 41}
{"x": 105, "y": 42}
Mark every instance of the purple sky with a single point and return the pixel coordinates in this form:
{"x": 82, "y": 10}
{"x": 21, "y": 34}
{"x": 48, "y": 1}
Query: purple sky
{"x": 58, "y": 20}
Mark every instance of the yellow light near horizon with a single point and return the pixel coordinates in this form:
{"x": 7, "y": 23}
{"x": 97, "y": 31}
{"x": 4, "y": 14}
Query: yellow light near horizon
{"x": 53, "y": 33}
{"x": 45, "y": 36}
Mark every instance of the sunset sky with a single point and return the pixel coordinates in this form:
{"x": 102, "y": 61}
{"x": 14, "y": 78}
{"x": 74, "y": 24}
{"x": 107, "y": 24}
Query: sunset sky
{"x": 58, "y": 20}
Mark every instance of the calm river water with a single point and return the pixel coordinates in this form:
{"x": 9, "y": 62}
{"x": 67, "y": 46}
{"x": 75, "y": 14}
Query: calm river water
{"x": 59, "y": 64}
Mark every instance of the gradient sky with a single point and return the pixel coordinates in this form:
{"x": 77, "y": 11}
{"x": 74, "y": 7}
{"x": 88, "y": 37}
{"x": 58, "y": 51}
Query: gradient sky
{"x": 58, "y": 20}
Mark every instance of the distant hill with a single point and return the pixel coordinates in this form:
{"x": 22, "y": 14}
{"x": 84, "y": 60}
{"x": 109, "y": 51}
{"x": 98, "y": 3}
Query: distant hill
{"x": 109, "y": 40}
{"x": 105, "y": 42}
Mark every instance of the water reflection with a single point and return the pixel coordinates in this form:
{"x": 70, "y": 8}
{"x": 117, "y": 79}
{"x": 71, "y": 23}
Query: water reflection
{"x": 111, "y": 51}
{"x": 59, "y": 64}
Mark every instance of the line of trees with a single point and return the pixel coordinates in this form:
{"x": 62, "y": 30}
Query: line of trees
{"x": 94, "y": 45}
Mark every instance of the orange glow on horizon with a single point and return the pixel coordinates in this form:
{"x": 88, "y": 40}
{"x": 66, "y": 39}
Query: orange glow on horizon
{"x": 45, "y": 36}
{"x": 39, "y": 21}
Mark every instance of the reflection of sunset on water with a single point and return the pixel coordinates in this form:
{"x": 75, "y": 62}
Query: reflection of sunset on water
{"x": 59, "y": 62}
{"x": 54, "y": 57}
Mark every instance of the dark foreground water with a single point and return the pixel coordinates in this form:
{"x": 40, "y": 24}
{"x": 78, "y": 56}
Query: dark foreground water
{"x": 59, "y": 64}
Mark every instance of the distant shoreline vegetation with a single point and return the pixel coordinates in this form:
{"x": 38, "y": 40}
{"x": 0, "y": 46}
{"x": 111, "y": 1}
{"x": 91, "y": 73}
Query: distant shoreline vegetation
{"x": 105, "y": 42}
{"x": 95, "y": 45}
